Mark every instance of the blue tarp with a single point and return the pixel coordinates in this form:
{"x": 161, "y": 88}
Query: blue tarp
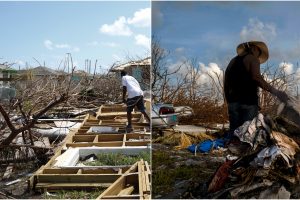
{"x": 207, "y": 145}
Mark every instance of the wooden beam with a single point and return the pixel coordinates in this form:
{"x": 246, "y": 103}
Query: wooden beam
{"x": 138, "y": 143}
{"x": 77, "y": 178}
{"x": 97, "y": 144}
{"x": 126, "y": 191}
{"x": 60, "y": 186}
{"x": 135, "y": 196}
{"x": 110, "y": 137}
{"x": 59, "y": 171}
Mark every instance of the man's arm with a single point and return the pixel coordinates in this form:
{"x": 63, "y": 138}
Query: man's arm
{"x": 257, "y": 77}
{"x": 254, "y": 68}
{"x": 124, "y": 93}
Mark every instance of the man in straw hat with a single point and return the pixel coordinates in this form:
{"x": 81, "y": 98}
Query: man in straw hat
{"x": 242, "y": 79}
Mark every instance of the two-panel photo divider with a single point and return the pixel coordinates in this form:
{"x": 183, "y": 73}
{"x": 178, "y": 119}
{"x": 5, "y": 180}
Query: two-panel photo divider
{"x": 149, "y": 100}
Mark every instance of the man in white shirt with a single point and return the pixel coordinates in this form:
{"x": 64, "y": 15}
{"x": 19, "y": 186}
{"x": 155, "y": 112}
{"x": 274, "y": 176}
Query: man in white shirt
{"x": 135, "y": 97}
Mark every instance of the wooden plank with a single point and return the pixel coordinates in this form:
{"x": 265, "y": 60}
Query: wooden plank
{"x": 83, "y": 138}
{"x": 110, "y": 137}
{"x": 59, "y": 171}
{"x": 113, "y": 109}
{"x": 98, "y": 144}
{"x": 120, "y": 171}
{"x": 113, "y": 115}
{"x": 135, "y": 196}
{"x": 144, "y": 178}
{"x": 138, "y": 136}
{"x": 96, "y": 139}
{"x": 140, "y": 179}
{"x": 115, "y": 188}
{"x": 137, "y": 143}
{"x": 59, "y": 186}
{"x": 87, "y": 170}
{"x": 148, "y": 186}
{"x": 77, "y": 178}
{"x": 147, "y": 167}
{"x": 101, "y": 171}
{"x": 126, "y": 191}
{"x": 124, "y": 140}
{"x": 119, "y": 183}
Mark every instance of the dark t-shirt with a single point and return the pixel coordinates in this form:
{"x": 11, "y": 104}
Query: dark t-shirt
{"x": 242, "y": 79}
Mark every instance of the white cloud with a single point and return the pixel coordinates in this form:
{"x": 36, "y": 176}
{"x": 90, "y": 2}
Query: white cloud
{"x": 51, "y": 46}
{"x": 110, "y": 44}
{"x": 62, "y": 46}
{"x": 94, "y": 43}
{"x": 142, "y": 40}
{"x": 20, "y": 62}
{"x": 257, "y": 30}
{"x": 48, "y": 44}
{"x": 210, "y": 71}
{"x": 119, "y": 27}
{"x": 180, "y": 50}
{"x": 287, "y": 67}
{"x": 76, "y": 49}
{"x": 141, "y": 18}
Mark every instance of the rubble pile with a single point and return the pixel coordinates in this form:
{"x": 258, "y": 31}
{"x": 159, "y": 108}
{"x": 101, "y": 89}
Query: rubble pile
{"x": 268, "y": 162}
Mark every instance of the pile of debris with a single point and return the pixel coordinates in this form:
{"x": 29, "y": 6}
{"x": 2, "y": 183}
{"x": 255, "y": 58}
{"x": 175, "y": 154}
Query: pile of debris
{"x": 268, "y": 162}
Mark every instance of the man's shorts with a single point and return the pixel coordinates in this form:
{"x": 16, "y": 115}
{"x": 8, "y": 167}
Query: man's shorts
{"x": 137, "y": 101}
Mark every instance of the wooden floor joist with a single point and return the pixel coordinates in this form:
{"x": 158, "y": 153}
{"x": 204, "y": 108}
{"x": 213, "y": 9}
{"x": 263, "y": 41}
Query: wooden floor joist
{"x": 121, "y": 182}
{"x": 131, "y": 185}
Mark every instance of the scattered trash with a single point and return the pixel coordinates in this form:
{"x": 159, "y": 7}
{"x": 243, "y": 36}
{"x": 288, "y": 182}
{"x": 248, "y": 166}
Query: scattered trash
{"x": 220, "y": 177}
{"x": 269, "y": 155}
{"x": 275, "y": 193}
{"x": 8, "y": 171}
{"x": 253, "y": 132}
{"x": 273, "y": 158}
{"x": 50, "y": 194}
{"x": 13, "y": 182}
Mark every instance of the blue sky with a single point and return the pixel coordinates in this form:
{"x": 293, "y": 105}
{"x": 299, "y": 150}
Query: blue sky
{"x": 210, "y": 31}
{"x": 46, "y": 31}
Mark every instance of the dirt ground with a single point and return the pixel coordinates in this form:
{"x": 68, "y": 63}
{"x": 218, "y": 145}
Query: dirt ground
{"x": 21, "y": 174}
{"x": 181, "y": 174}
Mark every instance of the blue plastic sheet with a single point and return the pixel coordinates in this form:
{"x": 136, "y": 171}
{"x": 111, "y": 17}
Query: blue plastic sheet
{"x": 207, "y": 145}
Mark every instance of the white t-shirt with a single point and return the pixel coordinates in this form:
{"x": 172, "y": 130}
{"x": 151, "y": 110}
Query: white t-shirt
{"x": 132, "y": 85}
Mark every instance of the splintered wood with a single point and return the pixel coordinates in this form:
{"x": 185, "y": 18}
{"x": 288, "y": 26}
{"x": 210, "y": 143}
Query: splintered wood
{"x": 106, "y": 131}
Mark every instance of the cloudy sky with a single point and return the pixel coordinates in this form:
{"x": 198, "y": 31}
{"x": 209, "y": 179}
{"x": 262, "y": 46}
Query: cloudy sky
{"x": 210, "y": 31}
{"x": 46, "y": 31}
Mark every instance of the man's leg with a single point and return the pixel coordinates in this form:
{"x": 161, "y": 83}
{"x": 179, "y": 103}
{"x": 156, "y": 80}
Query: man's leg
{"x": 130, "y": 107}
{"x": 248, "y": 112}
{"x": 141, "y": 107}
{"x": 146, "y": 115}
{"x": 233, "y": 112}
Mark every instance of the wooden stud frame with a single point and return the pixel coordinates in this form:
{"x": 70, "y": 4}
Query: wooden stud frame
{"x": 122, "y": 182}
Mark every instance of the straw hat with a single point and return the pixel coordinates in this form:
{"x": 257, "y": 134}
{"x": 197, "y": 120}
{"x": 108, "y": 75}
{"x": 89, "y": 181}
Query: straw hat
{"x": 261, "y": 45}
